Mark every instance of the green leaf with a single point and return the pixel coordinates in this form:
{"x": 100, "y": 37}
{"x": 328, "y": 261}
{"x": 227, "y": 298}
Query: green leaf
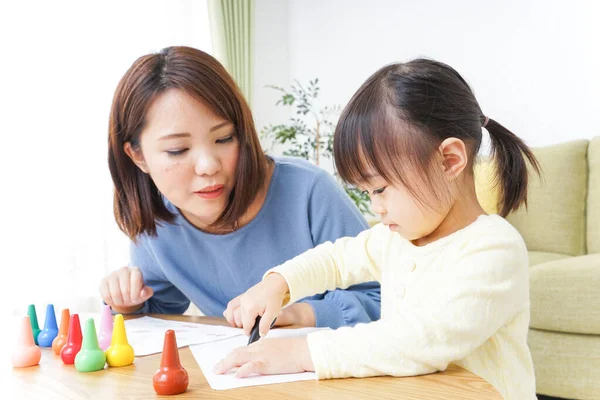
{"x": 299, "y": 133}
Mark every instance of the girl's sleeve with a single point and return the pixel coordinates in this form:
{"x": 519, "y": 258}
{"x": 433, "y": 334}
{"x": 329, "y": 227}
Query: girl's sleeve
{"x": 329, "y": 266}
{"x": 462, "y": 308}
{"x": 332, "y": 215}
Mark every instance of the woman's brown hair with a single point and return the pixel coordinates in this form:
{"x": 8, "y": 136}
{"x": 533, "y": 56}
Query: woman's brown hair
{"x": 398, "y": 118}
{"x": 138, "y": 205}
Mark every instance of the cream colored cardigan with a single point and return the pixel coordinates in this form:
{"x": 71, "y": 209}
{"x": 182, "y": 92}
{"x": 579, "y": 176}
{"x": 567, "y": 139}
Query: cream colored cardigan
{"x": 463, "y": 299}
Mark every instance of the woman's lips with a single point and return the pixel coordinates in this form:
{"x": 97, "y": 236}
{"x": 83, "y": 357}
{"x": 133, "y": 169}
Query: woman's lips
{"x": 211, "y": 192}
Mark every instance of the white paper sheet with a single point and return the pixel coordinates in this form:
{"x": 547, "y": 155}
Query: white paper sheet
{"x": 208, "y": 355}
{"x": 146, "y": 335}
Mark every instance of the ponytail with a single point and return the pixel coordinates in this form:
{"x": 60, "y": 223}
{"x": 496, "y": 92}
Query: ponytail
{"x": 434, "y": 102}
{"x": 511, "y": 155}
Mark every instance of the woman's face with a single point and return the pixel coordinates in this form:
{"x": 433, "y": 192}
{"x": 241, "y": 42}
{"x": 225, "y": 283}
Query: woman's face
{"x": 190, "y": 153}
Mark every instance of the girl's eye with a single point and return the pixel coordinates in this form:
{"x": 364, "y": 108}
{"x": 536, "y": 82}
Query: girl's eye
{"x": 175, "y": 153}
{"x": 380, "y": 190}
{"x": 225, "y": 139}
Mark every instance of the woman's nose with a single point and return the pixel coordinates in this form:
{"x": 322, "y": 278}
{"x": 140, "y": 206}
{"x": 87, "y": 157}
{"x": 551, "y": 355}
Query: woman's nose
{"x": 207, "y": 164}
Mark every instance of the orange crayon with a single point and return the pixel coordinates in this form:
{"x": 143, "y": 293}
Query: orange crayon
{"x": 61, "y": 338}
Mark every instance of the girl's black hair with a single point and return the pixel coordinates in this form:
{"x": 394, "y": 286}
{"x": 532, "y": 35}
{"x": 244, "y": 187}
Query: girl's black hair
{"x": 398, "y": 118}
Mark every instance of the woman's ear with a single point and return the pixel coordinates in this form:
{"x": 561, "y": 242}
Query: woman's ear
{"x": 454, "y": 157}
{"x": 136, "y": 156}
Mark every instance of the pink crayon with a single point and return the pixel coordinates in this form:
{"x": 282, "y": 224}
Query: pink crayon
{"x": 26, "y": 354}
{"x": 106, "y": 328}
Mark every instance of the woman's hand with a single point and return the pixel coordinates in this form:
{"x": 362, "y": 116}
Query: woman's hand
{"x": 297, "y": 314}
{"x": 264, "y": 299}
{"x": 268, "y": 357}
{"x": 124, "y": 290}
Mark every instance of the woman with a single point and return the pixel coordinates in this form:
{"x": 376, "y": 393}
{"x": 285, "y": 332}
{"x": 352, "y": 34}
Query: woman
{"x": 208, "y": 213}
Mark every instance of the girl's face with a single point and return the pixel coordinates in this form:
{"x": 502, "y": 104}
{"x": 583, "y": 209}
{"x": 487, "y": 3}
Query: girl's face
{"x": 434, "y": 213}
{"x": 402, "y": 212}
{"x": 190, "y": 153}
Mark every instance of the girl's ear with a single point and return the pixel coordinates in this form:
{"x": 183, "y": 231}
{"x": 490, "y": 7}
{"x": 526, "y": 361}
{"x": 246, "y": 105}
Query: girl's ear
{"x": 136, "y": 156}
{"x": 454, "y": 157}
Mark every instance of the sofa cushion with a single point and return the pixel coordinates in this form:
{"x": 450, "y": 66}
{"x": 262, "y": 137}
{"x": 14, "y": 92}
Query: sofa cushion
{"x": 555, "y": 219}
{"x": 593, "y": 204}
{"x": 565, "y": 295}
{"x": 539, "y": 257}
{"x": 566, "y": 365}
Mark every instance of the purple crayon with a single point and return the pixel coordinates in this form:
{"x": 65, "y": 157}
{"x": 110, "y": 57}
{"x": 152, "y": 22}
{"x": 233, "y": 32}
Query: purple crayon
{"x": 106, "y": 328}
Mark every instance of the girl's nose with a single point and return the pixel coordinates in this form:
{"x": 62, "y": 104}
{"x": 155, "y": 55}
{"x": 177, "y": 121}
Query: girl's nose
{"x": 377, "y": 207}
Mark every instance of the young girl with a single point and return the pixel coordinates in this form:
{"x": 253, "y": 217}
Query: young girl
{"x": 455, "y": 285}
{"x": 206, "y": 210}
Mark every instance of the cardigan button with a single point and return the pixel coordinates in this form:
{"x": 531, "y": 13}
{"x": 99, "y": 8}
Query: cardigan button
{"x": 401, "y": 292}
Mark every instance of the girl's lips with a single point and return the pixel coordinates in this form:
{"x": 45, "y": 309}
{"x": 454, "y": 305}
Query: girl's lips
{"x": 211, "y": 192}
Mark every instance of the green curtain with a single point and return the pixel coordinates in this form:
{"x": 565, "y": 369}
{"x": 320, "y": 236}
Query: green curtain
{"x": 232, "y": 31}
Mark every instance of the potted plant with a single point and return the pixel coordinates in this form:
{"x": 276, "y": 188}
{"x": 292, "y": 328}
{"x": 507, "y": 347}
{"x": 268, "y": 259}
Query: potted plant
{"x": 309, "y": 133}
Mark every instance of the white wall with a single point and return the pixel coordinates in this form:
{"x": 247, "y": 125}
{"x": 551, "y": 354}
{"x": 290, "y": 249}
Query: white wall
{"x": 534, "y": 64}
{"x": 271, "y": 60}
{"x": 60, "y": 62}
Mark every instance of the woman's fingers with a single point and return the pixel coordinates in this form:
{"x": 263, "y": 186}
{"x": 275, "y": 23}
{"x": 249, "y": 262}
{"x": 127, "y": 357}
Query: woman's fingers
{"x": 115, "y": 292}
{"x": 124, "y": 278}
{"x": 125, "y": 288}
{"x": 136, "y": 284}
{"x": 105, "y": 292}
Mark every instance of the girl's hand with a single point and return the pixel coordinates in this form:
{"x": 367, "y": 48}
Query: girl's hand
{"x": 268, "y": 357}
{"x": 264, "y": 299}
{"x": 298, "y": 314}
{"x": 233, "y": 312}
{"x": 124, "y": 290}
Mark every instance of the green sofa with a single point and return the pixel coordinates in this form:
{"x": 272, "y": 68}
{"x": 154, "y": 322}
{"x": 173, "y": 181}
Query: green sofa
{"x": 561, "y": 227}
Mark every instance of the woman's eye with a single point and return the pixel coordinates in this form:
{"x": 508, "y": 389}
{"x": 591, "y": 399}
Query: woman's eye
{"x": 225, "y": 139}
{"x": 175, "y": 153}
{"x": 380, "y": 190}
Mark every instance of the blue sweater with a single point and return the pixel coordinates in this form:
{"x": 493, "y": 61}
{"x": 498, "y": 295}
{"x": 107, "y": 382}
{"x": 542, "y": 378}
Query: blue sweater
{"x": 304, "y": 207}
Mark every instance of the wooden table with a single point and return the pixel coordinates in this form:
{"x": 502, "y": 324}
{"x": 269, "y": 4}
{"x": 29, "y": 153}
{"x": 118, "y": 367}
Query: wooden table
{"x": 54, "y": 380}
